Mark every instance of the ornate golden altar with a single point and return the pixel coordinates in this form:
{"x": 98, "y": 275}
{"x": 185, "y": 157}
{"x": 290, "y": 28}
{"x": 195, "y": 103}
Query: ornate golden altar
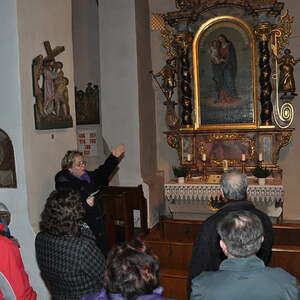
{"x": 227, "y": 61}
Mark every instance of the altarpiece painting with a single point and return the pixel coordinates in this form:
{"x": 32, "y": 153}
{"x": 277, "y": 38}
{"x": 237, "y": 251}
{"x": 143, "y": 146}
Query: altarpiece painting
{"x": 224, "y": 72}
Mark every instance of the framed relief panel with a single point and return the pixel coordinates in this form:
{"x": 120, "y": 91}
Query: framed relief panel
{"x": 224, "y": 60}
{"x": 265, "y": 147}
{"x": 187, "y": 149}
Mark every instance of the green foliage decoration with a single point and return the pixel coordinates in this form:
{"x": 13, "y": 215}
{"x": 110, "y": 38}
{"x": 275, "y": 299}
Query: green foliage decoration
{"x": 179, "y": 171}
{"x": 261, "y": 172}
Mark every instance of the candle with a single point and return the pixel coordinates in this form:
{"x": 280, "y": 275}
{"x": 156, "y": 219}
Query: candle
{"x": 243, "y": 157}
{"x": 189, "y": 157}
{"x": 225, "y": 165}
{"x": 203, "y": 157}
{"x": 260, "y": 158}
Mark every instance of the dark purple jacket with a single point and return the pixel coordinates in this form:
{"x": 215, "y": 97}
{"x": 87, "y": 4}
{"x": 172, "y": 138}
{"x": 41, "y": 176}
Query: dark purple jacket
{"x": 66, "y": 181}
{"x": 156, "y": 295}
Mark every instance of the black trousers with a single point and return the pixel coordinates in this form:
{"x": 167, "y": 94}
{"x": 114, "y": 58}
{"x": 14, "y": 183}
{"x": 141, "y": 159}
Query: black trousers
{"x": 95, "y": 219}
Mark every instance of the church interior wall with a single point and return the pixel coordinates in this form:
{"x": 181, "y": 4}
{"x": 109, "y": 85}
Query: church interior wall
{"x": 85, "y": 31}
{"x": 167, "y": 157}
{"x": 119, "y": 85}
{"x": 151, "y": 174}
{"x": 126, "y": 95}
{"x": 39, "y": 21}
{"x": 289, "y": 156}
{"x": 36, "y": 154}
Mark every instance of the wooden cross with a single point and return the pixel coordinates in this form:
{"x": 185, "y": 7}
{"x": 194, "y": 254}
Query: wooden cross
{"x": 52, "y": 53}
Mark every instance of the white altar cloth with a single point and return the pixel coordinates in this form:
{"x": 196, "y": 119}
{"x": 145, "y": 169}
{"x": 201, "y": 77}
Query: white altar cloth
{"x": 189, "y": 198}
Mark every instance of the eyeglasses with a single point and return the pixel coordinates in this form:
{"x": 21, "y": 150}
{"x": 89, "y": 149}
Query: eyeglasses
{"x": 81, "y": 163}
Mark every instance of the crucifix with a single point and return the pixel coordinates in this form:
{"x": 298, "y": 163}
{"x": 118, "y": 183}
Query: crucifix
{"x": 51, "y": 53}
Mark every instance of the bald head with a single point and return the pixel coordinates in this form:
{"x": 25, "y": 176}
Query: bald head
{"x": 234, "y": 185}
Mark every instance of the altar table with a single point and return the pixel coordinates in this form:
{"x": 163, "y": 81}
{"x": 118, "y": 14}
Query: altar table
{"x": 190, "y": 200}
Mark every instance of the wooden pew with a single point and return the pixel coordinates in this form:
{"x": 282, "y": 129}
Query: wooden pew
{"x": 286, "y": 234}
{"x": 288, "y": 258}
{"x": 179, "y": 230}
{"x": 119, "y": 203}
{"x": 187, "y": 230}
{"x": 172, "y": 242}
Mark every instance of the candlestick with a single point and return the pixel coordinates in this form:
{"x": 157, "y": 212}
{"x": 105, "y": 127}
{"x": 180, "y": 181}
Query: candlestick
{"x": 203, "y": 157}
{"x": 260, "y": 157}
{"x": 243, "y": 167}
{"x": 243, "y": 157}
{"x": 189, "y": 157}
{"x": 204, "y": 169}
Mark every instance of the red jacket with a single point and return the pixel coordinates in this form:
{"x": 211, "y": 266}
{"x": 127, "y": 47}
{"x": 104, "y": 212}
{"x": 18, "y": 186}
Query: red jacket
{"x": 12, "y": 272}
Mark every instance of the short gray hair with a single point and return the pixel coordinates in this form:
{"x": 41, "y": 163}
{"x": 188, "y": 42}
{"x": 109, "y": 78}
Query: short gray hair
{"x": 242, "y": 233}
{"x": 234, "y": 185}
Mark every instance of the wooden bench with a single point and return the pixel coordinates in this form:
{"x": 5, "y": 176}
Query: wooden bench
{"x": 172, "y": 242}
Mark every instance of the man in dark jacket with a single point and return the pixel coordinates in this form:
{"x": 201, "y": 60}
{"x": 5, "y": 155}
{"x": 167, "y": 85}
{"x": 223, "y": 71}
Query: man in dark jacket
{"x": 207, "y": 254}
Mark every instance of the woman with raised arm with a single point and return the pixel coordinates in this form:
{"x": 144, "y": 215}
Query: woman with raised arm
{"x": 75, "y": 177}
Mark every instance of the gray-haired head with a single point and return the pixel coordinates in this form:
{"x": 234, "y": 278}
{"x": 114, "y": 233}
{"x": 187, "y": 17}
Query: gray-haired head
{"x": 242, "y": 233}
{"x": 234, "y": 185}
{"x": 3, "y": 208}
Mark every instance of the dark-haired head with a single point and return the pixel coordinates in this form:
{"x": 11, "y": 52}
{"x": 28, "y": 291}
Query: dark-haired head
{"x": 222, "y": 38}
{"x": 132, "y": 271}
{"x": 62, "y": 214}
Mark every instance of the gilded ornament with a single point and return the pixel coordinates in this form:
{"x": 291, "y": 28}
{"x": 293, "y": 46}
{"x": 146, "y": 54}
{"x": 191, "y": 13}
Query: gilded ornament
{"x": 284, "y": 79}
{"x": 172, "y": 141}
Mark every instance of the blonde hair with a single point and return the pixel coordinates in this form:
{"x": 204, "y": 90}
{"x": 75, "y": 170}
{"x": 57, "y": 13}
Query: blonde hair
{"x": 69, "y": 158}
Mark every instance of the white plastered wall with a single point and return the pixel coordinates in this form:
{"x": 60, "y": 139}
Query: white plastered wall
{"x": 123, "y": 94}
{"x": 289, "y": 156}
{"x": 119, "y": 84}
{"x": 24, "y": 27}
{"x": 39, "y": 21}
{"x": 85, "y": 30}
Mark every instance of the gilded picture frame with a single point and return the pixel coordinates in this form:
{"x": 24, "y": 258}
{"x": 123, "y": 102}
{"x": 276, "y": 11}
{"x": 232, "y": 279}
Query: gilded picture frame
{"x": 224, "y": 65}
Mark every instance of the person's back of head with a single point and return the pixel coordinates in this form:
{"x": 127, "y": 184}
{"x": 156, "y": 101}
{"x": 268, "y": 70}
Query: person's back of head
{"x": 234, "y": 185}
{"x": 241, "y": 232}
{"x": 4, "y": 213}
{"x": 62, "y": 214}
{"x": 132, "y": 271}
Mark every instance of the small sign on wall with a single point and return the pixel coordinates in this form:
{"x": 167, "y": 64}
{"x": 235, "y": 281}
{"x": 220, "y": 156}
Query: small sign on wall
{"x": 87, "y": 140}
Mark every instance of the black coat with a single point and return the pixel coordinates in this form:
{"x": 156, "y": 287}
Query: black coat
{"x": 66, "y": 181}
{"x": 207, "y": 254}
